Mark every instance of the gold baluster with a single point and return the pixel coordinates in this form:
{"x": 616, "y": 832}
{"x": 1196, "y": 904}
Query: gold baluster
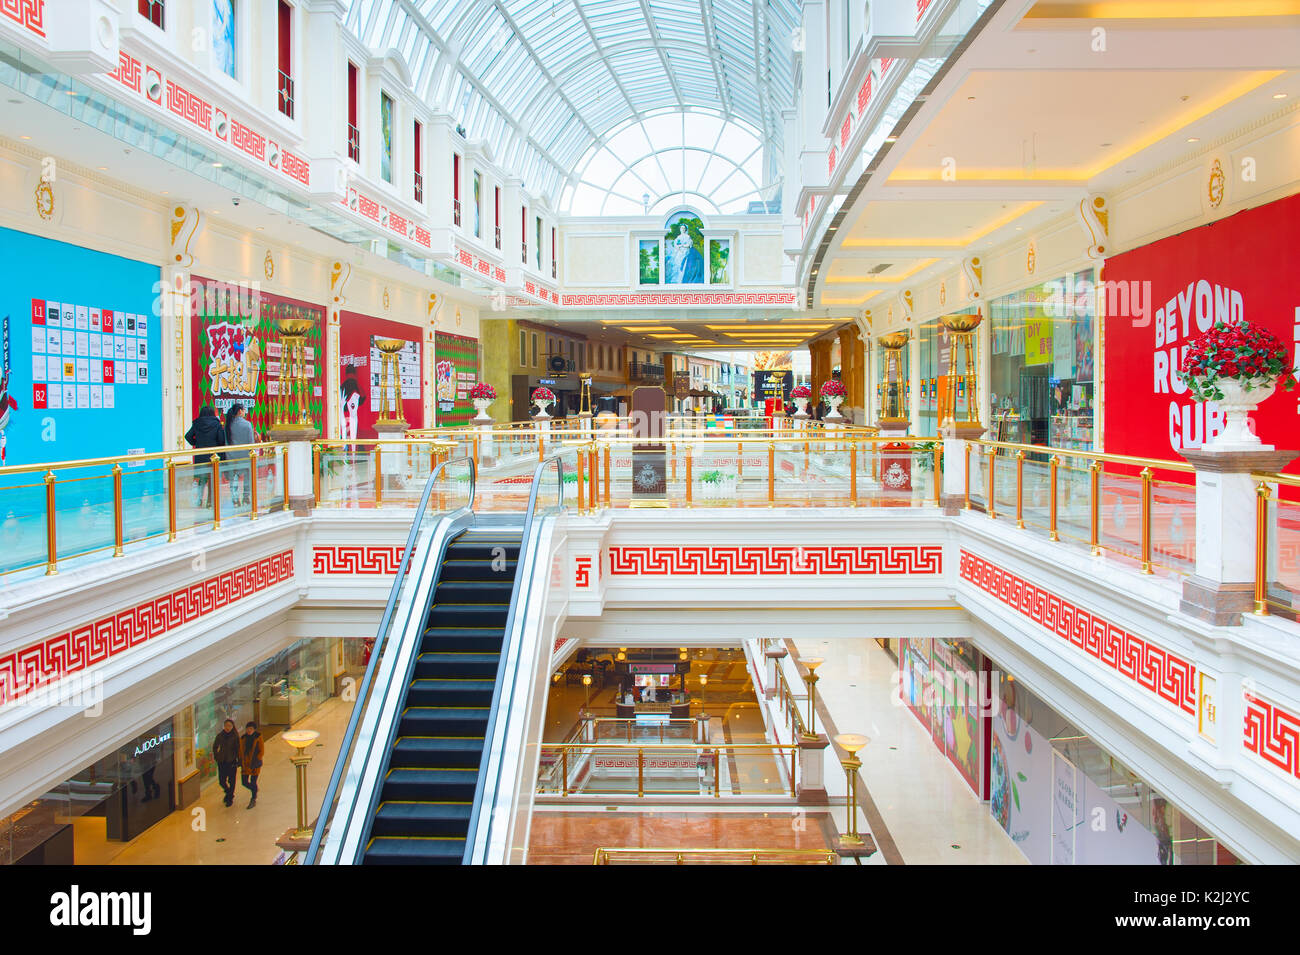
{"x": 51, "y": 528}
{"x": 170, "y": 470}
{"x": 1020, "y": 489}
{"x": 1146, "y": 521}
{"x": 1262, "y": 492}
{"x": 1051, "y": 517}
{"x": 216, "y": 493}
{"x": 117, "y": 510}
{"x": 252, "y": 484}
{"x": 1094, "y": 505}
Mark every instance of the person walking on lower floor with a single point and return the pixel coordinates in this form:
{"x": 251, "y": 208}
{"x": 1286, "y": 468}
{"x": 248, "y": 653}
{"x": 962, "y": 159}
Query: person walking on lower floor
{"x": 250, "y": 759}
{"x": 225, "y": 753}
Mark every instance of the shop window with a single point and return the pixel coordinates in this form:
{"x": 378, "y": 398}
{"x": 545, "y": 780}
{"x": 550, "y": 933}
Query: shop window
{"x": 417, "y": 139}
{"x": 523, "y": 232}
{"x": 386, "y": 137}
{"x": 354, "y": 133}
{"x": 284, "y": 58}
{"x": 523, "y": 349}
{"x": 152, "y": 10}
{"x": 538, "y": 246}
{"x": 478, "y": 204}
{"x": 224, "y": 37}
{"x": 555, "y": 268}
{"x": 496, "y": 204}
{"x": 534, "y": 349}
{"x": 455, "y": 188}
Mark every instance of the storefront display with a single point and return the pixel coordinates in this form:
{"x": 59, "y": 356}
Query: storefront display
{"x": 361, "y": 374}
{"x": 235, "y": 351}
{"x": 1042, "y": 364}
{"x": 456, "y": 361}
{"x": 1163, "y": 296}
{"x": 941, "y": 684}
{"x": 80, "y": 344}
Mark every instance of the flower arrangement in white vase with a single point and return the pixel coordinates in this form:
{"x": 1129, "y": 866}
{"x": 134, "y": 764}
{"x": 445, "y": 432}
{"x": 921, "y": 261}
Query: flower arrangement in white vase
{"x": 482, "y": 395}
{"x": 543, "y": 397}
{"x": 800, "y": 397}
{"x": 833, "y": 393}
{"x": 1238, "y": 365}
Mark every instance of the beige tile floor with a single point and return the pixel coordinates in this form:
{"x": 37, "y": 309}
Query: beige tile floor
{"x": 925, "y": 804}
{"x": 227, "y": 836}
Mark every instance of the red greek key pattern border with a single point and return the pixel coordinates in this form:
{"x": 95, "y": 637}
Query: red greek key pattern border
{"x": 1273, "y": 734}
{"x": 677, "y": 298}
{"x": 755, "y": 561}
{"x": 56, "y": 657}
{"x": 29, "y": 14}
{"x": 582, "y": 572}
{"x": 1152, "y": 667}
{"x": 355, "y": 559}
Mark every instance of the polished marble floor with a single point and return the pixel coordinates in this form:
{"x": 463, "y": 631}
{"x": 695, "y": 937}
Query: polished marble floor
{"x": 209, "y": 833}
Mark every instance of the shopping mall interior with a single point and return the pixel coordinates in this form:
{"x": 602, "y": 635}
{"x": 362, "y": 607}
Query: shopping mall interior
{"x": 416, "y": 477}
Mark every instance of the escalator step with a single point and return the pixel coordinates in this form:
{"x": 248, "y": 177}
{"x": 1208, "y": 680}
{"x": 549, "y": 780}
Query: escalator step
{"x": 450, "y": 693}
{"x": 430, "y": 850}
{"x": 435, "y": 752}
{"x": 443, "y": 721}
{"x": 422, "y": 819}
{"x": 430, "y": 785}
{"x": 477, "y": 570}
{"x": 468, "y": 615}
{"x": 433, "y": 665}
{"x": 486, "y": 551}
{"x": 466, "y": 639}
{"x": 473, "y": 591}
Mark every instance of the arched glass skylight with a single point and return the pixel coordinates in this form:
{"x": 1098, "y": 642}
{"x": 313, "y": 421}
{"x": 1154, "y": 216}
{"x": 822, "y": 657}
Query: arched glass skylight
{"x": 546, "y": 81}
{"x": 671, "y": 159}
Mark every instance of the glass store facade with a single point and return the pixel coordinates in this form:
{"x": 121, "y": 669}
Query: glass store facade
{"x": 1042, "y": 372}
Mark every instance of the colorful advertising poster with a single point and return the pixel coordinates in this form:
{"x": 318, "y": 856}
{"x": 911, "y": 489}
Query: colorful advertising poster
{"x": 1021, "y": 779}
{"x": 235, "y": 350}
{"x": 80, "y": 349}
{"x": 361, "y": 374}
{"x": 1161, "y": 297}
{"x": 940, "y": 682}
{"x": 455, "y": 372}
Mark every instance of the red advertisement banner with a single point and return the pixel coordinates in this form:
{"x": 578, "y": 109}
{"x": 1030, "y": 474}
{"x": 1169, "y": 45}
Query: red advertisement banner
{"x": 361, "y": 373}
{"x": 1161, "y": 297}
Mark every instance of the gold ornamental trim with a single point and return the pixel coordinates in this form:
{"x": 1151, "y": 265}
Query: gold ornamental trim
{"x": 1218, "y": 185}
{"x": 44, "y": 200}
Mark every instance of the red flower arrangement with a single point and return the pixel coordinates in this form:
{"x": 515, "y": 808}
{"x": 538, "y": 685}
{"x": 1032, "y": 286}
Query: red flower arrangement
{"x": 544, "y": 394}
{"x": 834, "y": 388}
{"x": 1250, "y": 355}
{"x": 482, "y": 391}
{"x": 801, "y": 391}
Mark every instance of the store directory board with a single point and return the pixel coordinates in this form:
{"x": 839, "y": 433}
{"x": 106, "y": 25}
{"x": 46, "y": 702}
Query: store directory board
{"x": 80, "y": 348}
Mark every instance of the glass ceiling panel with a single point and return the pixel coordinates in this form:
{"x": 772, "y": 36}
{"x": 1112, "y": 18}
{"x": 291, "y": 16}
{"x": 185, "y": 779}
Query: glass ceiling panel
{"x": 565, "y": 76}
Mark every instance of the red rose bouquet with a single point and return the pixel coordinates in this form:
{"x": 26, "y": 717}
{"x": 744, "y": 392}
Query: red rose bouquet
{"x": 801, "y": 391}
{"x": 482, "y": 391}
{"x": 834, "y": 388}
{"x": 1251, "y": 356}
{"x": 544, "y": 394}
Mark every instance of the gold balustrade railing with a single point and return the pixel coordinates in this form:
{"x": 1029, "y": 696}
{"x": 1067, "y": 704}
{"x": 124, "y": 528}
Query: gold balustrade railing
{"x": 360, "y": 464}
{"x": 569, "y": 758}
{"x": 86, "y": 526}
{"x": 987, "y": 454}
{"x": 634, "y": 855}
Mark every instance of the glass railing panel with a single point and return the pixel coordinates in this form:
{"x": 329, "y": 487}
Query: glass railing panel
{"x": 1120, "y": 513}
{"x": 1283, "y": 587}
{"x": 84, "y": 512}
{"x": 1074, "y": 500}
{"x": 979, "y": 477}
{"x": 346, "y": 475}
{"x": 1004, "y": 485}
{"x": 22, "y": 520}
{"x": 1173, "y": 525}
{"x": 757, "y": 770}
{"x": 144, "y": 501}
{"x": 1035, "y": 495}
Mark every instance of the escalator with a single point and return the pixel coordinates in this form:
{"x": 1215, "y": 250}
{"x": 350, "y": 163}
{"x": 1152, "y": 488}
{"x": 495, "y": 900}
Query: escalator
{"x": 425, "y": 802}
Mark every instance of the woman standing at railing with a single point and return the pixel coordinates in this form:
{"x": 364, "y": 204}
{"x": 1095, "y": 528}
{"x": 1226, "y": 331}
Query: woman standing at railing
{"x": 239, "y": 430}
{"x": 205, "y": 432}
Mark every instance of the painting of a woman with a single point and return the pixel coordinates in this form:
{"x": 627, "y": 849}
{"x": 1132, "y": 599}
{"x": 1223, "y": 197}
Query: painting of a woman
{"x": 683, "y": 254}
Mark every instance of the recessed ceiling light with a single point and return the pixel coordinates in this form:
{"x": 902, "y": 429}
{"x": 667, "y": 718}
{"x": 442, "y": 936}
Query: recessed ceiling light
{"x": 1193, "y": 139}
{"x": 1275, "y": 96}
{"x": 1019, "y": 229}
{"x": 217, "y": 165}
{"x": 103, "y": 168}
{"x": 70, "y": 92}
{"x": 26, "y": 137}
{"x": 891, "y": 139}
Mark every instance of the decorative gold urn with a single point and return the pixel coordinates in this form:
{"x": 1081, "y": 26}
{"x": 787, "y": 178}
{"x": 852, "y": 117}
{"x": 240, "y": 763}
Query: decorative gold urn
{"x": 291, "y": 408}
{"x": 962, "y": 327}
{"x": 390, "y": 383}
{"x": 893, "y": 399}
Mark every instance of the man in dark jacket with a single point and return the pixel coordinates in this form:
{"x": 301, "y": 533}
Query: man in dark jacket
{"x": 225, "y": 753}
{"x": 250, "y": 759}
{"x": 205, "y": 432}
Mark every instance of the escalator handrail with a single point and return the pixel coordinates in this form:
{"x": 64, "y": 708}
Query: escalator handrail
{"x": 519, "y": 587}
{"x": 390, "y": 608}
